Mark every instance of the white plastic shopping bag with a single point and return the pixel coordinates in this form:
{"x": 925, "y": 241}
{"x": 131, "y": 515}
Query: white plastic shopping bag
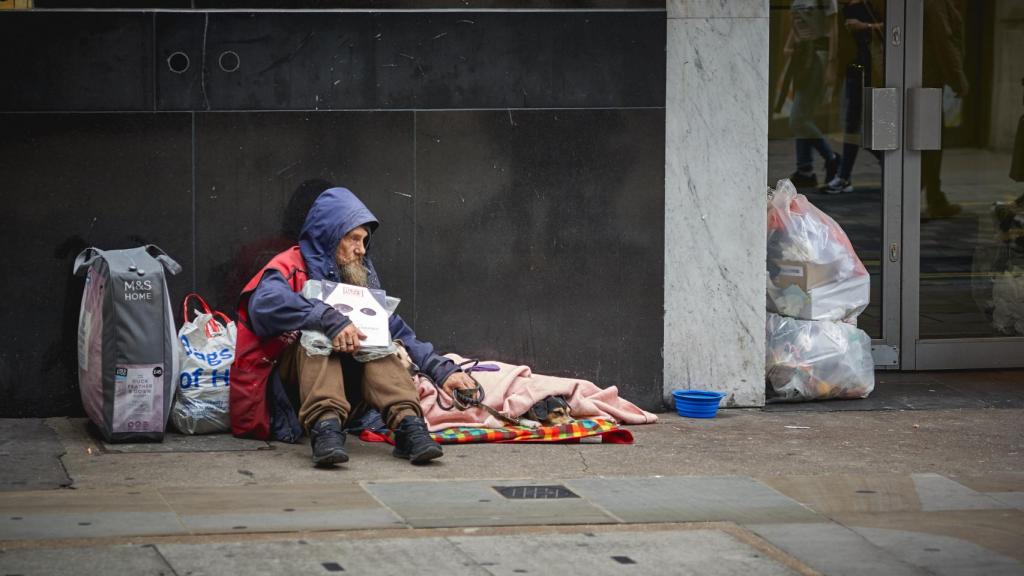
{"x": 208, "y": 349}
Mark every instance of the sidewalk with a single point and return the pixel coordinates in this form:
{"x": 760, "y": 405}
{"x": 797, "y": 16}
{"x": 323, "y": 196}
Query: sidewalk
{"x": 750, "y": 492}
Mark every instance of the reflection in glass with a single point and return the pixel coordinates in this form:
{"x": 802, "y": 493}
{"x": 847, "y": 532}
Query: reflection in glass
{"x": 823, "y": 54}
{"x": 972, "y": 207}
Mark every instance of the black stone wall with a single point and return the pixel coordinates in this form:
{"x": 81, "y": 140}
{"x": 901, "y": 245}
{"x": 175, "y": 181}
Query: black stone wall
{"x": 514, "y": 157}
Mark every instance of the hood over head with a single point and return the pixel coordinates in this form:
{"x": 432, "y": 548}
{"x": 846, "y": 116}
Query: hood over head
{"x": 336, "y": 212}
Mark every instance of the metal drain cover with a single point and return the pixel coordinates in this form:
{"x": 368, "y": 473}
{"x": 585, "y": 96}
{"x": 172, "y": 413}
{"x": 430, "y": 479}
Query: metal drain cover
{"x": 535, "y": 492}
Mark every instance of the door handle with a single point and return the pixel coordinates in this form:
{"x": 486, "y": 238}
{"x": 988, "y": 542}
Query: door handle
{"x": 881, "y": 119}
{"x": 924, "y": 124}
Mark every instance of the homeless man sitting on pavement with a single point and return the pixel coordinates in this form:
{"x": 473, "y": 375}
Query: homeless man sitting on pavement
{"x": 332, "y": 389}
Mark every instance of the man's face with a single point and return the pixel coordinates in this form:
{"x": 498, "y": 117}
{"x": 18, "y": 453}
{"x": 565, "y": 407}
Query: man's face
{"x": 352, "y": 247}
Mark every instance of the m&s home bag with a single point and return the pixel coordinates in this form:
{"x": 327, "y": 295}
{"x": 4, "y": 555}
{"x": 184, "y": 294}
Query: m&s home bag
{"x": 127, "y": 347}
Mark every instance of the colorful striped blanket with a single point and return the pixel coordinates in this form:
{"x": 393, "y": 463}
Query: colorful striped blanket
{"x": 596, "y": 430}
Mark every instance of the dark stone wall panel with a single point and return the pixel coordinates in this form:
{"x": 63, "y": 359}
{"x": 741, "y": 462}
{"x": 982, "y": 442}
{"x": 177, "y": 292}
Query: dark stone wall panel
{"x": 400, "y": 60}
{"x": 179, "y": 61}
{"x": 258, "y": 173}
{"x": 540, "y": 240}
{"x": 71, "y": 181}
{"x": 353, "y": 4}
{"x": 76, "y": 61}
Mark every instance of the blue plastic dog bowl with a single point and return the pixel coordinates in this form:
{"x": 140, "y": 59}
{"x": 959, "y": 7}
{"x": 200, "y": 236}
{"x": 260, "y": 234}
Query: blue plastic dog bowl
{"x": 697, "y": 403}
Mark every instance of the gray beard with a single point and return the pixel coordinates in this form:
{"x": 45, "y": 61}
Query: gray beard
{"x": 355, "y": 274}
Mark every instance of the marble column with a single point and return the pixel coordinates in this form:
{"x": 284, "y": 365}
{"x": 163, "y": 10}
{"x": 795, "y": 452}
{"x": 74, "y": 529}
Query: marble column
{"x": 716, "y": 170}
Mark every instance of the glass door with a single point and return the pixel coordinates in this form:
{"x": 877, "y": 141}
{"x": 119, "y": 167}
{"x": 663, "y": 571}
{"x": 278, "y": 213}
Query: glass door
{"x": 963, "y": 188}
{"x": 826, "y": 57}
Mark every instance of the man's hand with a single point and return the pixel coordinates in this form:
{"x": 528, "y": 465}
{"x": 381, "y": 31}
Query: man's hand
{"x": 457, "y": 380}
{"x": 348, "y": 340}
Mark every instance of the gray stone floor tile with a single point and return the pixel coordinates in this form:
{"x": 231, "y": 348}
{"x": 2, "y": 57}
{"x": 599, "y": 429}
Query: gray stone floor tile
{"x": 833, "y": 549}
{"x": 30, "y": 451}
{"x": 936, "y": 492}
{"x": 477, "y": 503}
{"x": 384, "y": 557}
{"x": 98, "y": 561}
{"x": 1012, "y": 499}
{"x": 942, "y": 555}
{"x": 692, "y": 499}
{"x": 25, "y": 526}
{"x": 680, "y": 552}
{"x": 292, "y": 521}
{"x": 275, "y": 508}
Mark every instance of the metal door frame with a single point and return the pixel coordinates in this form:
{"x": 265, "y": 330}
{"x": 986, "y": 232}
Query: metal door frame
{"x": 887, "y": 349}
{"x": 914, "y": 353}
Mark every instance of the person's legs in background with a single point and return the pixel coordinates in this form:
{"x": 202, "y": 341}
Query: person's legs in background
{"x": 936, "y": 203}
{"x": 808, "y": 90}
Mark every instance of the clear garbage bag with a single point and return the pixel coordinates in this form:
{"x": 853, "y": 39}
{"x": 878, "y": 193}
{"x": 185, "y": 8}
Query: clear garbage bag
{"x": 813, "y": 271}
{"x": 816, "y": 360}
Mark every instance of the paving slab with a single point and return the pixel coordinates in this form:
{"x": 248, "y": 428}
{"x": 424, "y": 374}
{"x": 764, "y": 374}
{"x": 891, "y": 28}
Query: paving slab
{"x": 30, "y": 451}
{"x": 1011, "y": 499}
{"x": 97, "y": 561}
{"x": 88, "y": 525}
{"x": 683, "y": 552}
{"x": 835, "y": 550}
{"x": 937, "y": 492}
{"x": 830, "y": 495}
{"x": 258, "y": 508}
{"x": 942, "y": 555}
{"x": 1001, "y": 531}
{"x": 993, "y": 481}
{"x": 79, "y": 514}
{"x": 391, "y": 556}
{"x": 478, "y": 503}
{"x": 692, "y": 499}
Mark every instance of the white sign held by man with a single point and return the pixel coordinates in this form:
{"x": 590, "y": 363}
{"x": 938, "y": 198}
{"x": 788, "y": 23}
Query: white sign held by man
{"x": 364, "y": 311}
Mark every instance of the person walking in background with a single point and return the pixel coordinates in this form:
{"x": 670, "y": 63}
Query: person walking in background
{"x": 943, "y": 66}
{"x": 811, "y": 49}
{"x": 865, "y": 65}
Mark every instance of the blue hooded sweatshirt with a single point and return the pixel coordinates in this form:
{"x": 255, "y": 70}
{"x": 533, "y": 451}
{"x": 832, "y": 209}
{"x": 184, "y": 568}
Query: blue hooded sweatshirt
{"x": 274, "y": 308}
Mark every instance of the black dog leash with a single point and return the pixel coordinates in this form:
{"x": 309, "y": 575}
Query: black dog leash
{"x": 464, "y": 398}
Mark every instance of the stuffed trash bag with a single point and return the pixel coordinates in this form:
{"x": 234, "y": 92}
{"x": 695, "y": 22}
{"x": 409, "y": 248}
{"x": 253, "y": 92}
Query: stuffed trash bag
{"x": 816, "y": 360}
{"x": 813, "y": 271}
{"x": 127, "y": 350}
{"x": 208, "y": 349}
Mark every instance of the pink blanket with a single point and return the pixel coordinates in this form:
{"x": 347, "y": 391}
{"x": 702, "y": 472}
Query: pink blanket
{"x": 513, "y": 390}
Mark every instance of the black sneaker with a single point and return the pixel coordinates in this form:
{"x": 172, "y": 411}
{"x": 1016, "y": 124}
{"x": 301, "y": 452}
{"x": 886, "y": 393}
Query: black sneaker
{"x": 328, "y": 442}
{"x": 801, "y": 180}
{"x": 832, "y": 167}
{"x": 413, "y": 441}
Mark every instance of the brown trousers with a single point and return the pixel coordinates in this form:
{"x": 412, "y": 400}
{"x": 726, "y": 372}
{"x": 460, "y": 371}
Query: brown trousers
{"x": 330, "y": 385}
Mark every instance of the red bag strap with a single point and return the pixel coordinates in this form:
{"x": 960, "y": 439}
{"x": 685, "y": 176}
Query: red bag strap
{"x": 222, "y": 316}
{"x": 184, "y": 305}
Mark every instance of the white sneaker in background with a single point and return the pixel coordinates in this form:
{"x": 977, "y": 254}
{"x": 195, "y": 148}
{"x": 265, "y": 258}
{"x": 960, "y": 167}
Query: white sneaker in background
{"x": 837, "y": 186}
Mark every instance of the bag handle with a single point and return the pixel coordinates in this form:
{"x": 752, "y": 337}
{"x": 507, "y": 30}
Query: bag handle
{"x": 211, "y": 326}
{"x": 169, "y": 264}
{"x": 85, "y": 259}
{"x": 202, "y": 305}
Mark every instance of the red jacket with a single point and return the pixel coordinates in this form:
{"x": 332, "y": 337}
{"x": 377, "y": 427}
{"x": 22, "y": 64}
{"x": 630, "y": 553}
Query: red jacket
{"x": 255, "y": 357}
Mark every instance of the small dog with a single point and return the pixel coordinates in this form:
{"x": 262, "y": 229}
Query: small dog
{"x": 551, "y": 411}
